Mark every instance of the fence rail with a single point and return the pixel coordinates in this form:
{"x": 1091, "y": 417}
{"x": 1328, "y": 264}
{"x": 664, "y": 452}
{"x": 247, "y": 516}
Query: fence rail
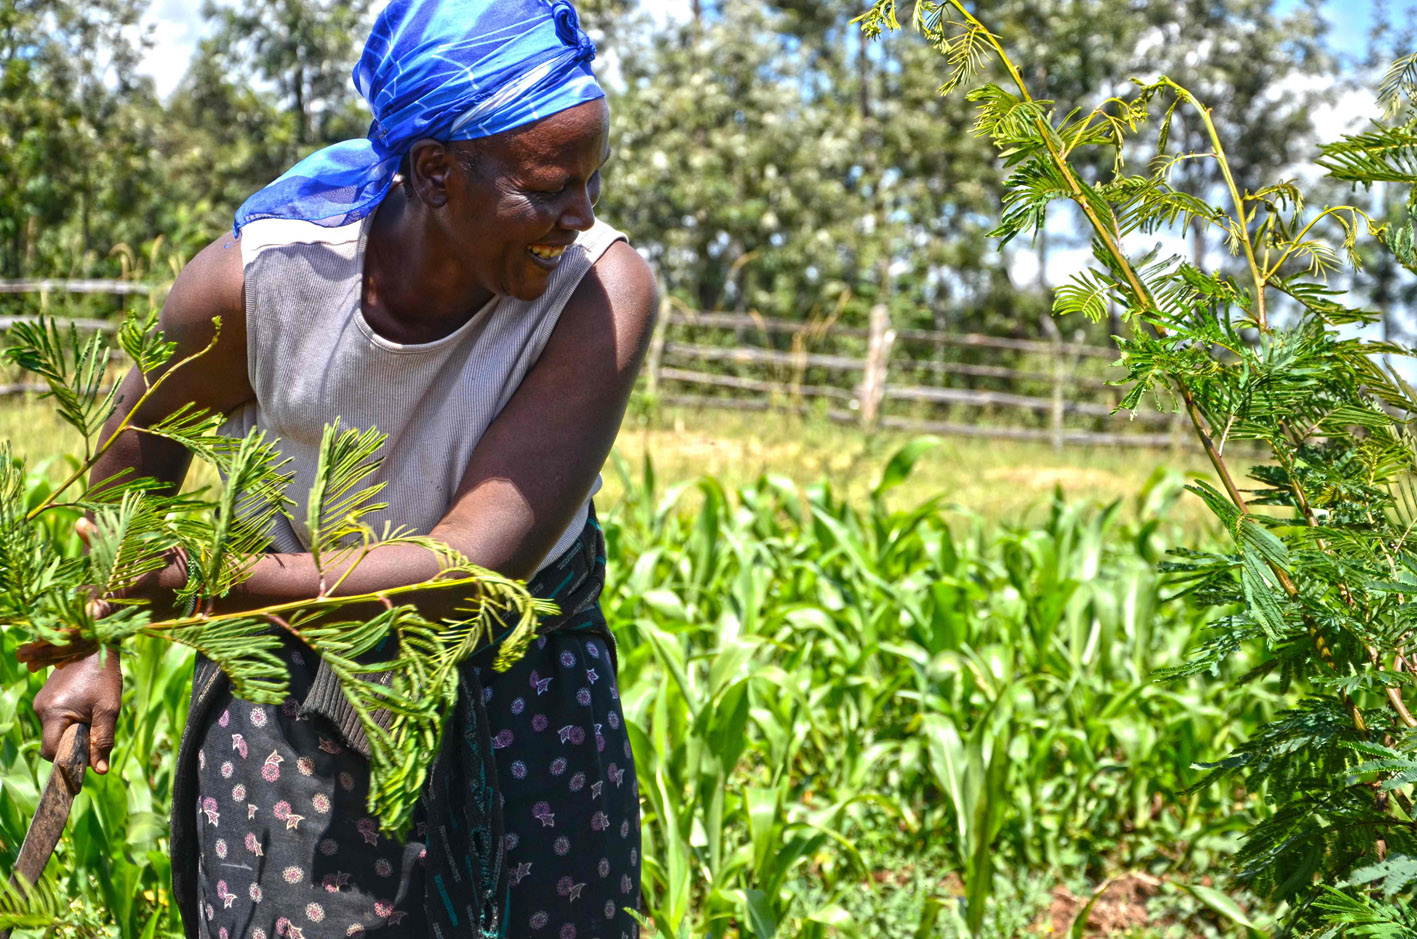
{"x": 119, "y": 287}
{"x": 765, "y": 324}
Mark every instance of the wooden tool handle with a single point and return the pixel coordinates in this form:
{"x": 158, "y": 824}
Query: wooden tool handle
{"x": 65, "y": 781}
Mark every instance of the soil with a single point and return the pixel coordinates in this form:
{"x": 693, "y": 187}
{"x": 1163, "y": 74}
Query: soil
{"x": 1119, "y": 910}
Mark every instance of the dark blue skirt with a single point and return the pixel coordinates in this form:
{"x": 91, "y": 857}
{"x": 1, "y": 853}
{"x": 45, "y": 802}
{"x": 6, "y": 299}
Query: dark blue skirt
{"x": 286, "y": 846}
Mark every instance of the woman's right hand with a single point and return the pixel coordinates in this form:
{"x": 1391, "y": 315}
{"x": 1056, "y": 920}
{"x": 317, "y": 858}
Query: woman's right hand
{"x": 82, "y": 692}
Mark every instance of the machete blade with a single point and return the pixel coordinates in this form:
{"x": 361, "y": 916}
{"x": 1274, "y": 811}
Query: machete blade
{"x": 65, "y": 781}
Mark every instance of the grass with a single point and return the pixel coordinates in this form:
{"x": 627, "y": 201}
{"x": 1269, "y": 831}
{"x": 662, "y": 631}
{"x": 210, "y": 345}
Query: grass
{"x": 1000, "y": 481}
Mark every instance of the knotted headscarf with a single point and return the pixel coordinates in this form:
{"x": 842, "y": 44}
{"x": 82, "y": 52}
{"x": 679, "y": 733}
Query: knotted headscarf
{"x": 446, "y": 69}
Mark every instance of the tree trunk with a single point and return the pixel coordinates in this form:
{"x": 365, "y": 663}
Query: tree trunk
{"x": 302, "y": 120}
{"x": 863, "y": 77}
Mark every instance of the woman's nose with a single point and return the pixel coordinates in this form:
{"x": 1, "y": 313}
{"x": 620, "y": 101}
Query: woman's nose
{"x": 580, "y": 213}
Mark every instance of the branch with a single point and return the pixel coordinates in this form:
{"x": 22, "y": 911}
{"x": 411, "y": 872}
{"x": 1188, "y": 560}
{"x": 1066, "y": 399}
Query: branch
{"x": 123, "y": 425}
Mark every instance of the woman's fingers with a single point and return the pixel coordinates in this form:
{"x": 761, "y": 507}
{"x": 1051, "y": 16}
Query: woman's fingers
{"x": 97, "y": 608}
{"x": 52, "y": 729}
{"x": 89, "y": 691}
{"x": 105, "y": 719}
{"x": 41, "y": 654}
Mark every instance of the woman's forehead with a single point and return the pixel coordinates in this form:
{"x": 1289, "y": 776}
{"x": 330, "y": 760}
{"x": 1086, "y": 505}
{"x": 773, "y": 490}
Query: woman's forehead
{"x": 580, "y": 132}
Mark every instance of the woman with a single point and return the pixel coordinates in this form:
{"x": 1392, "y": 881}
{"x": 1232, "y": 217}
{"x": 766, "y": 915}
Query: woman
{"x": 445, "y": 281}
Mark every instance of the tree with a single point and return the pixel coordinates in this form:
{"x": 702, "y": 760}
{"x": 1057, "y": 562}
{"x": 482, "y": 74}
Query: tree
{"x": 138, "y": 523}
{"x": 269, "y": 86}
{"x": 807, "y": 170}
{"x": 1255, "y": 70}
{"x": 66, "y": 71}
{"x": 741, "y": 166}
{"x": 224, "y": 139}
{"x": 1391, "y": 288}
{"x": 1319, "y": 580}
{"x": 306, "y": 50}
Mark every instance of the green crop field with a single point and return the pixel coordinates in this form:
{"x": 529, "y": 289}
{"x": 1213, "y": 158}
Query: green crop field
{"x": 869, "y": 695}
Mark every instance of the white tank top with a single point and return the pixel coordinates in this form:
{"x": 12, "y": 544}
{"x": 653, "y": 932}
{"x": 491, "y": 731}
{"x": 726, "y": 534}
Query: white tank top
{"x": 312, "y": 358}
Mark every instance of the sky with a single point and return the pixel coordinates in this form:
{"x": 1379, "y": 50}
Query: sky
{"x": 1349, "y": 21}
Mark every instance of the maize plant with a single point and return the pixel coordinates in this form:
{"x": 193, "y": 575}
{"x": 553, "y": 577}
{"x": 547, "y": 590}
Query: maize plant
{"x": 1265, "y": 353}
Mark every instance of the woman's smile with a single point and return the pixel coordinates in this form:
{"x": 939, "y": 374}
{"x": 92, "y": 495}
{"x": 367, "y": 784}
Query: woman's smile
{"x": 546, "y": 256}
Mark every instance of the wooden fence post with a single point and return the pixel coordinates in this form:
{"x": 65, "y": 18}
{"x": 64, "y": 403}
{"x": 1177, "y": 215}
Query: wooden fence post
{"x": 655, "y": 357}
{"x": 1055, "y": 419}
{"x": 871, "y": 393}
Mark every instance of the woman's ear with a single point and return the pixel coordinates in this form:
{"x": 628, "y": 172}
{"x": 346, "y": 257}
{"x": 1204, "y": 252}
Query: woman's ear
{"x": 430, "y": 162}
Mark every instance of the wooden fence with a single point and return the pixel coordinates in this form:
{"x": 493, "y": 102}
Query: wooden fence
{"x": 903, "y": 379}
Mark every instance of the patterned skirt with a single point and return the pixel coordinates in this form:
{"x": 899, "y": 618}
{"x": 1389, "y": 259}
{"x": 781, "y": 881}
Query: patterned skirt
{"x": 288, "y": 849}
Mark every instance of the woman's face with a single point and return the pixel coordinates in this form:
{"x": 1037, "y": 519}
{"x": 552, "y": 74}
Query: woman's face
{"x": 513, "y": 212}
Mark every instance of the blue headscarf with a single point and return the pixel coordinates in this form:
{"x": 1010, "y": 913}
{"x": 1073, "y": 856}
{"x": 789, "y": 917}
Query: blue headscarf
{"x": 446, "y": 69}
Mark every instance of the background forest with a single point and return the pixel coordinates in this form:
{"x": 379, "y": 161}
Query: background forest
{"x": 766, "y": 158}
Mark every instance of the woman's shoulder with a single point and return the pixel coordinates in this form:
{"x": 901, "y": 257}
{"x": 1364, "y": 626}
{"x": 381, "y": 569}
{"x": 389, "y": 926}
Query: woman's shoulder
{"x": 600, "y": 238}
{"x": 210, "y": 286}
{"x": 204, "y": 315}
{"x": 626, "y": 274}
{"x": 620, "y": 283}
{"x": 215, "y": 283}
{"x": 606, "y": 272}
{"x": 610, "y": 255}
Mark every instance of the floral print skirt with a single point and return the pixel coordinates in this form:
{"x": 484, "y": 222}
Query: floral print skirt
{"x": 287, "y": 848}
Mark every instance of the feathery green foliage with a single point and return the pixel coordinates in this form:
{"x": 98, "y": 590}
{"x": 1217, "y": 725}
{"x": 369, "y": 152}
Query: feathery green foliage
{"x": 45, "y": 587}
{"x": 45, "y": 905}
{"x": 1322, "y": 565}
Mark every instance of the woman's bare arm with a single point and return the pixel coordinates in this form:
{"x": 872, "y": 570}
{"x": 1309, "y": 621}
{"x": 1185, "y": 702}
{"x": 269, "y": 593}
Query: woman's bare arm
{"x": 210, "y": 287}
{"x": 534, "y": 466}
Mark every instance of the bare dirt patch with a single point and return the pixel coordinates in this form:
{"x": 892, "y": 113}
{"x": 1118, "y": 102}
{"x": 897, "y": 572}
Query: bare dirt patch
{"x": 1120, "y": 909}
